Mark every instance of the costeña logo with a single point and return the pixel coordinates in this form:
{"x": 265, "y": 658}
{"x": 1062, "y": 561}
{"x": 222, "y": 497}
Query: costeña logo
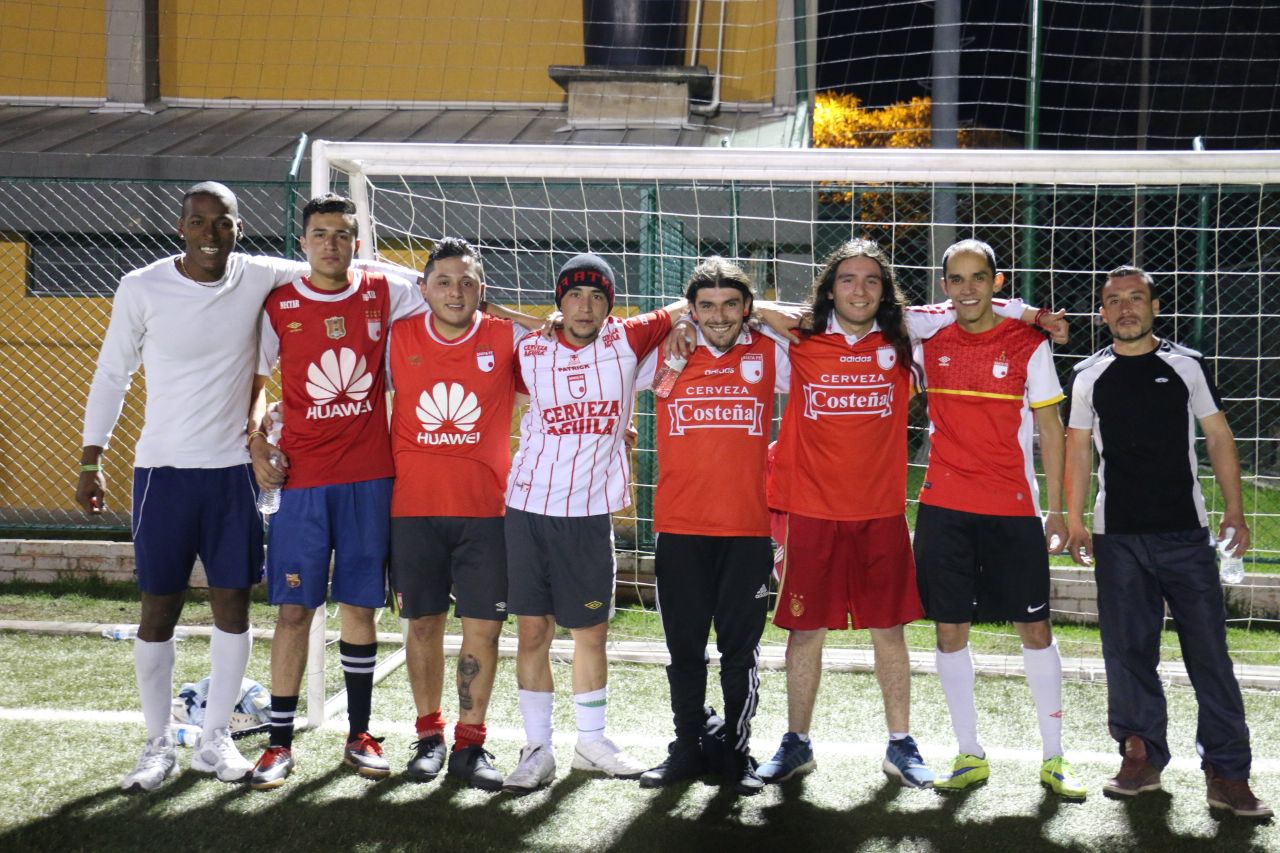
{"x": 448, "y": 404}
{"x": 339, "y": 373}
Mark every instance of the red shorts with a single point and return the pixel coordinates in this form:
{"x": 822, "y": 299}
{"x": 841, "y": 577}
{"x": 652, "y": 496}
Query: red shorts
{"x": 839, "y": 572}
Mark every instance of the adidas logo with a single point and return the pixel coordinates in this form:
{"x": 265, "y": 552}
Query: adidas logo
{"x": 763, "y": 592}
{"x": 448, "y": 404}
{"x": 339, "y": 373}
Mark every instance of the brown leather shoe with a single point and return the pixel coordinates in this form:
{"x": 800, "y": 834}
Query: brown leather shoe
{"x": 1136, "y": 775}
{"x": 1233, "y": 794}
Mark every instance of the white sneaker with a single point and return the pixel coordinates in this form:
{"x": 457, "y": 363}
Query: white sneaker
{"x": 218, "y": 754}
{"x": 604, "y": 756}
{"x": 159, "y": 761}
{"x": 537, "y": 769}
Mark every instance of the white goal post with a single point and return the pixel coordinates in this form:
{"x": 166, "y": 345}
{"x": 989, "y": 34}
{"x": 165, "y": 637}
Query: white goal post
{"x": 1205, "y": 223}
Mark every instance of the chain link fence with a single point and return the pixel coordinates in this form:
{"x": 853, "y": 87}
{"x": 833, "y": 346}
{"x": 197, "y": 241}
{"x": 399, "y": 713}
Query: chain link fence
{"x": 1212, "y": 249}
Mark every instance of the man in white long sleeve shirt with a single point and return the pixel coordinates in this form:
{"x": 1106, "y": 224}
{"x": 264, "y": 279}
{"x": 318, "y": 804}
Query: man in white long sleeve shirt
{"x": 192, "y": 321}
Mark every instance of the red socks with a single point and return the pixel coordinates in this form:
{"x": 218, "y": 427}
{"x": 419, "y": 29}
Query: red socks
{"x": 465, "y": 735}
{"x": 430, "y": 724}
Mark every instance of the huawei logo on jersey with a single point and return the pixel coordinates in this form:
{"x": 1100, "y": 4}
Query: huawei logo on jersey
{"x": 448, "y": 404}
{"x": 340, "y": 373}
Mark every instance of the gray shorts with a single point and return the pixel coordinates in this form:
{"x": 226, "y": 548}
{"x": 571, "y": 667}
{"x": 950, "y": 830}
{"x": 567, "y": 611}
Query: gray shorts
{"x": 432, "y": 554}
{"x": 561, "y": 567}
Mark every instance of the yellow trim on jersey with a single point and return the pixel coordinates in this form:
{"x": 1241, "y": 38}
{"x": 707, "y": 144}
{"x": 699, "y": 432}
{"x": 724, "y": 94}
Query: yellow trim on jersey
{"x": 1043, "y": 403}
{"x": 961, "y": 393}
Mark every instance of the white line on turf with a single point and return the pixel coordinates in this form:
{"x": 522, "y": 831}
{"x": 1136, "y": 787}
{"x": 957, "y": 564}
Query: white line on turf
{"x": 843, "y": 749}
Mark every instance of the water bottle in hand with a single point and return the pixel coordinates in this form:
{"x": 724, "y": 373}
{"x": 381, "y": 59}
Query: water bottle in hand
{"x": 1230, "y": 565}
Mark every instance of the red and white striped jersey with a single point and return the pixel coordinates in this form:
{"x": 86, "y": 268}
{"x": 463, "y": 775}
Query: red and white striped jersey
{"x": 713, "y": 438}
{"x": 571, "y": 460}
{"x": 451, "y": 417}
{"x": 331, "y": 346}
{"x": 982, "y": 390}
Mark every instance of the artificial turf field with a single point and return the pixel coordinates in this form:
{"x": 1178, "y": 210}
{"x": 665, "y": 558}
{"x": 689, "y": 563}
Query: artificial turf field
{"x": 70, "y": 726}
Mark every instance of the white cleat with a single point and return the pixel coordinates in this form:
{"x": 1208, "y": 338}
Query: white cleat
{"x": 159, "y": 761}
{"x": 218, "y": 754}
{"x": 604, "y": 756}
{"x": 537, "y": 769}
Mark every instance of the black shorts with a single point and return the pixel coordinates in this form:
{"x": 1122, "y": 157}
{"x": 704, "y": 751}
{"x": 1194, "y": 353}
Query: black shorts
{"x": 562, "y": 567}
{"x": 431, "y": 554}
{"x": 981, "y": 568}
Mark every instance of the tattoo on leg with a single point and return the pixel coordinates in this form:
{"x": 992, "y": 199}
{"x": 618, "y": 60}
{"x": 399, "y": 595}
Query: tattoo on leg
{"x": 468, "y": 669}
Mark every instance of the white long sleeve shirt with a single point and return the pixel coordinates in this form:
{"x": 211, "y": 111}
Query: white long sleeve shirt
{"x": 198, "y": 345}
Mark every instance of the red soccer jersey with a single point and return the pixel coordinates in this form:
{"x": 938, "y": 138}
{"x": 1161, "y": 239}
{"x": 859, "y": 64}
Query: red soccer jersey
{"x": 842, "y": 448}
{"x": 982, "y": 390}
{"x": 331, "y": 373}
{"x": 451, "y": 418}
{"x": 713, "y": 441}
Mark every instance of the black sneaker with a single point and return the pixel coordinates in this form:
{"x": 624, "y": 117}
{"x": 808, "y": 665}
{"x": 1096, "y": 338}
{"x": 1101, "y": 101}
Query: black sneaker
{"x": 743, "y": 774}
{"x": 470, "y": 765}
{"x": 684, "y": 761}
{"x": 428, "y": 759}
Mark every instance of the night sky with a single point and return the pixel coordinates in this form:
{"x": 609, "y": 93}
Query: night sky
{"x": 1213, "y": 68}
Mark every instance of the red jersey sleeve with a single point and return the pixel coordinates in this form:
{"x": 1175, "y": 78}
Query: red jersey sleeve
{"x": 646, "y": 331}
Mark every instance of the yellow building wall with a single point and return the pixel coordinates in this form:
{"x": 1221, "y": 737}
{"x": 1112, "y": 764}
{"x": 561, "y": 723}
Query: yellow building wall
{"x": 48, "y": 350}
{"x": 432, "y": 50}
{"x": 53, "y": 49}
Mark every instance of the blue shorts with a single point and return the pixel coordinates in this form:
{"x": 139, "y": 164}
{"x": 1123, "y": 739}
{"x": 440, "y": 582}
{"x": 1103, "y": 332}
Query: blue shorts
{"x": 183, "y": 513}
{"x": 351, "y": 522}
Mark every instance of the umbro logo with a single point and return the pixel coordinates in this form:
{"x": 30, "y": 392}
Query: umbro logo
{"x": 593, "y": 605}
{"x": 763, "y": 592}
{"x": 944, "y": 361}
{"x": 1162, "y": 379}
{"x": 501, "y": 607}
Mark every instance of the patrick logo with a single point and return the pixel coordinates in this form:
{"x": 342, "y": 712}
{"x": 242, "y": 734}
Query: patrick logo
{"x": 339, "y": 372}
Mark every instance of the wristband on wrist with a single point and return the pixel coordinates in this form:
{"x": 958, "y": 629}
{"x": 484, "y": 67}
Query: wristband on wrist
{"x": 249, "y": 439}
{"x": 87, "y": 468}
{"x": 1040, "y": 315}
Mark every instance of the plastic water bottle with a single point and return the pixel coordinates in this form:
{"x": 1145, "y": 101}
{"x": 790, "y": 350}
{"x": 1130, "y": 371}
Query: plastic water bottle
{"x": 186, "y": 735}
{"x": 664, "y": 380}
{"x": 120, "y": 632}
{"x": 1230, "y": 566}
{"x": 269, "y": 499}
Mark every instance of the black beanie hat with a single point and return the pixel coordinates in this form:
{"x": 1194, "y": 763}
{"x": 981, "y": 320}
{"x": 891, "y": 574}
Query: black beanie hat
{"x": 585, "y": 271}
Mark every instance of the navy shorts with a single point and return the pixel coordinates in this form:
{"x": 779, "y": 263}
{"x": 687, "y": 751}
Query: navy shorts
{"x": 562, "y": 567}
{"x": 183, "y": 513}
{"x": 981, "y": 568}
{"x": 349, "y": 522}
{"x": 432, "y": 554}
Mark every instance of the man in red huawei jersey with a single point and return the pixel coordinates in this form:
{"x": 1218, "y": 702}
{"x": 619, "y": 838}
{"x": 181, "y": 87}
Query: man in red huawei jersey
{"x": 455, "y": 386}
{"x": 980, "y": 544}
{"x": 329, "y": 330}
{"x": 713, "y": 555}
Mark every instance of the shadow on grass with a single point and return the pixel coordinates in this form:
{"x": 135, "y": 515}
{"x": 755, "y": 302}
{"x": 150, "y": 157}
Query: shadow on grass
{"x": 304, "y": 815}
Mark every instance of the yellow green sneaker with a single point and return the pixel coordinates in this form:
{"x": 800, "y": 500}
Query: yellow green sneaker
{"x": 966, "y": 770}
{"x": 1058, "y": 775}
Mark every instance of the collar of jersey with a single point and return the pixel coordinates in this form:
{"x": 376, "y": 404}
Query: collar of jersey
{"x": 306, "y": 290}
{"x": 833, "y": 328}
{"x": 463, "y": 338}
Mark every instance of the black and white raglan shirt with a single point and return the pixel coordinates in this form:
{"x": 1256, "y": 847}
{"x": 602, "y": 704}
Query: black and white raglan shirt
{"x": 1143, "y": 410}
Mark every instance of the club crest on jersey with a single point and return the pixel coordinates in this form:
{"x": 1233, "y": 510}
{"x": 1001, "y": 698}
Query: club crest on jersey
{"x": 752, "y": 367}
{"x": 293, "y": 580}
{"x": 373, "y": 322}
{"x": 484, "y": 360}
{"x": 1000, "y": 367}
{"x": 886, "y": 357}
{"x": 577, "y": 385}
{"x": 797, "y": 605}
{"x": 335, "y": 327}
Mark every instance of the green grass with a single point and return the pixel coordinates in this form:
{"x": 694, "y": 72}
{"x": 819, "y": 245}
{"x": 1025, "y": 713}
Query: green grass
{"x": 58, "y": 780}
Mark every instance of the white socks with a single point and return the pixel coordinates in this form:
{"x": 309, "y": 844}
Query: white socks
{"x": 535, "y": 710}
{"x": 153, "y": 667}
{"x": 1044, "y": 677}
{"x": 228, "y": 658}
{"x": 589, "y": 711}
{"x": 955, "y": 671}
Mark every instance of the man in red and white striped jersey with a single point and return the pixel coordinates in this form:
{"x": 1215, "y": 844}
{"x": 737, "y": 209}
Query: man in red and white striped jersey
{"x": 569, "y": 474}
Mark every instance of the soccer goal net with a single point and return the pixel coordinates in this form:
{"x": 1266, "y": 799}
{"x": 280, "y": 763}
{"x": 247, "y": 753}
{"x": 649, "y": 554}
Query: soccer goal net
{"x": 1203, "y": 223}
